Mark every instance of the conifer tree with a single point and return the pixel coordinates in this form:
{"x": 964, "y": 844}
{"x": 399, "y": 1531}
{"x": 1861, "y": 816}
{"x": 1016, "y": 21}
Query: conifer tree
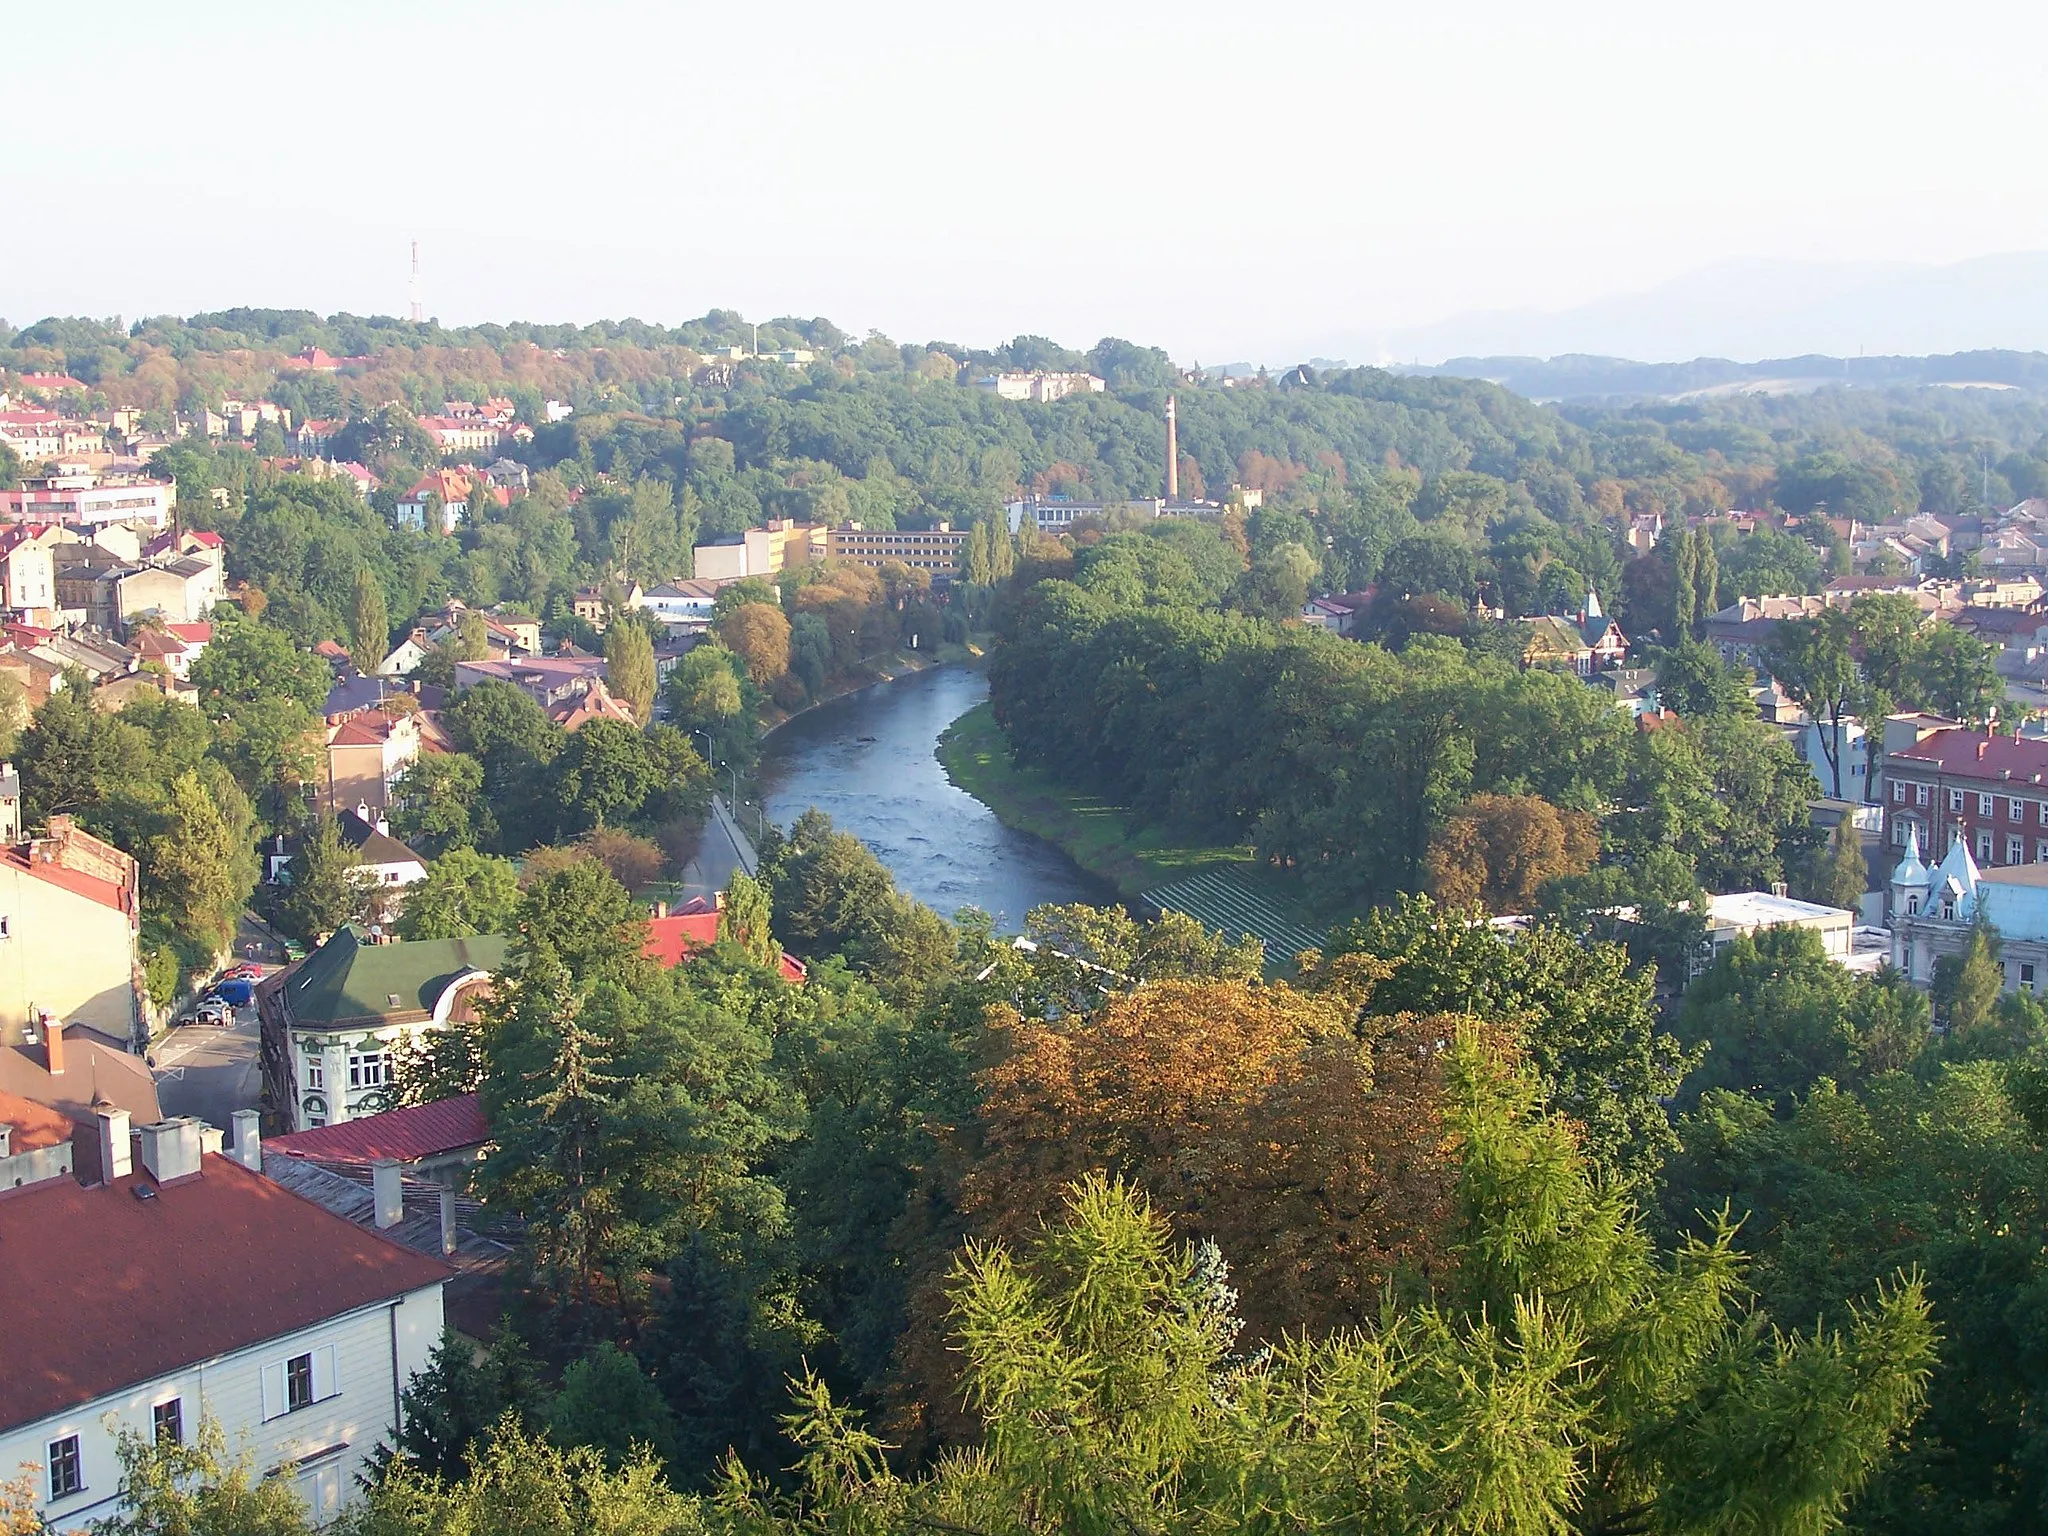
{"x": 370, "y": 625}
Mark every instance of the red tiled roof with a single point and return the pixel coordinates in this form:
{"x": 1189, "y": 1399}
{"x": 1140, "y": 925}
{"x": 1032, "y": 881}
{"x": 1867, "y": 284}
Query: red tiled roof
{"x": 213, "y": 1264}
{"x": 675, "y": 939}
{"x": 35, "y": 1125}
{"x": 91, "y": 887}
{"x": 1972, "y": 754}
{"x": 191, "y": 634}
{"x": 409, "y": 1134}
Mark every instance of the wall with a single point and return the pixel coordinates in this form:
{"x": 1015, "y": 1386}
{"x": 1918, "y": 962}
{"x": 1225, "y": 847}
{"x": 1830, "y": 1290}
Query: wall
{"x": 66, "y": 953}
{"x": 361, "y": 1411}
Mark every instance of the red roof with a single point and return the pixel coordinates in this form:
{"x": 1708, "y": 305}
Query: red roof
{"x": 191, "y": 634}
{"x": 1975, "y": 755}
{"x": 91, "y": 887}
{"x": 406, "y": 1135}
{"x": 34, "y": 1125}
{"x": 677, "y": 938}
{"x": 213, "y": 1264}
{"x": 205, "y": 537}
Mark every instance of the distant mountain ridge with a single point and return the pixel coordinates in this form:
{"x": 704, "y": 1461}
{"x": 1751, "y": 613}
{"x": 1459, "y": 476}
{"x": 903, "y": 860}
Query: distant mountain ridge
{"x": 1578, "y": 376}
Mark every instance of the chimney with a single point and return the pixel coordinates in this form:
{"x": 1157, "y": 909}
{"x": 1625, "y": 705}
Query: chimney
{"x": 249, "y": 1139}
{"x": 53, "y": 1045}
{"x": 661, "y": 909}
{"x": 211, "y": 1139}
{"x": 170, "y": 1148}
{"x": 1982, "y": 748}
{"x": 447, "y": 1222}
{"x": 390, "y": 1193}
{"x": 1172, "y": 452}
{"x": 116, "y": 1161}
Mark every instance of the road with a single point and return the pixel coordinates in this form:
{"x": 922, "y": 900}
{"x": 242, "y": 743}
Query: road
{"x": 210, "y": 1072}
{"x": 721, "y": 848}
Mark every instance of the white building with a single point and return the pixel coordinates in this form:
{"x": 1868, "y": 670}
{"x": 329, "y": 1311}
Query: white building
{"x": 1740, "y": 912}
{"x": 1040, "y": 386}
{"x": 1934, "y": 910}
{"x": 213, "y": 1293}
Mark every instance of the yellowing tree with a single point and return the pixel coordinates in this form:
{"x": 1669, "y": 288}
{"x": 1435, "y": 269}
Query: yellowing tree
{"x": 1499, "y": 851}
{"x": 758, "y": 634}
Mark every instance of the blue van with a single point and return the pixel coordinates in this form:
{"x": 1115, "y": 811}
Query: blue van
{"x": 238, "y": 993}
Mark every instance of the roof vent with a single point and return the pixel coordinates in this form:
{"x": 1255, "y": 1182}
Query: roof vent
{"x": 391, "y": 998}
{"x": 142, "y": 1192}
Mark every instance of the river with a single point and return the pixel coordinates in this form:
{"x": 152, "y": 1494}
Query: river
{"x": 869, "y": 761}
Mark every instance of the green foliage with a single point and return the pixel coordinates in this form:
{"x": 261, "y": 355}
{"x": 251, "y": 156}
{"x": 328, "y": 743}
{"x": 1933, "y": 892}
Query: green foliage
{"x": 370, "y": 623}
{"x": 607, "y": 1403}
{"x": 629, "y": 667}
{"x": 199, "y": 1488}
{"x": 745, "y": 917}
{"x": 324, "y": 889}
{"x": 464, "y": 893}
{"x": 436, "y": 803}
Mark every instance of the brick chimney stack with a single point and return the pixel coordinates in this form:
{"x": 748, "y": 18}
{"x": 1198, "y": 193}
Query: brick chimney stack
{"x": 53, "y": 1045}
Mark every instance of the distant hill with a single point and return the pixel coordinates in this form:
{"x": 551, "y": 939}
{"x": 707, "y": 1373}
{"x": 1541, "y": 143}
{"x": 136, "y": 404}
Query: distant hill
{"x": 1576, "y": 376}
{"x": 1753, "y": 309}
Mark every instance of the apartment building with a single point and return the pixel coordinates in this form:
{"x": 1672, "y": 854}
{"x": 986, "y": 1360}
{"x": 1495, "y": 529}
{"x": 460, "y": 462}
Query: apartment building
{"x": 938, "y": 550}
{"x": 1991, "y": 792}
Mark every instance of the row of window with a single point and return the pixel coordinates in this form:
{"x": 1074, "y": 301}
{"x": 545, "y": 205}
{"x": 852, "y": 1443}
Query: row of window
{"x": 365, "y": 1070}
{"x": 2015, "y": 845}
{"x": 1987, "y": 804}
{"x": 288, "y": 1385}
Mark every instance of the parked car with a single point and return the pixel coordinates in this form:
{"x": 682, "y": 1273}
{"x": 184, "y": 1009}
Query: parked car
{"x": 247, "y": 972}
{"x": 214, "y": 1012}
{"x": 238, "y": 992}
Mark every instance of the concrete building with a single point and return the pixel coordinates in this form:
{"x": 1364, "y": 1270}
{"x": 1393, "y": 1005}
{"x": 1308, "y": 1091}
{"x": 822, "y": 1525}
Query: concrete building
{"x": 367, "y": 751}
{"x": 1740, "y": 912}
{"x": 1991, "y": 791}
{"x": 69, "y": 918}
{"x": 760, "y": 551}
{"x": 28, "y": 574}
{"x": 116, "y": 499}
{"x": 938, "y": 550}
{"x": 293, "y": 1329}
{"x": 331, "y": 1021}
{"x": 1042, "y": 386}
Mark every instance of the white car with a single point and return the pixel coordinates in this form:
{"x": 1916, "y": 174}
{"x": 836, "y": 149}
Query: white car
{"x": 214, "y": 1011}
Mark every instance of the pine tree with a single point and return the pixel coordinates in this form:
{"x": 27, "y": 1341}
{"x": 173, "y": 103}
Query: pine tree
{"x": 370, "y": 626}
{"x": 1707, "y": 578}
{"x": 1840, "y": 875}
{"x": 1684, "y": 589}
{"x": 744, "y": 919}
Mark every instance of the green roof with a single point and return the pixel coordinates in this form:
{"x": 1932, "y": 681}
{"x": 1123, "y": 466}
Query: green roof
{"x": 349, "y": 979}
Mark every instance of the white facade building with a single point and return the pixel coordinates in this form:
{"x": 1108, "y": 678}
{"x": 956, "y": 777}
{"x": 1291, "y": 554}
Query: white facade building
{"x": 292, "y": 1328}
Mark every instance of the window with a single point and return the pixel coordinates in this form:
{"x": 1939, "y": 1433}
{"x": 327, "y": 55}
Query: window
{"x": 1912, "y": 906}
{"x": 1984, "y": 805}
{"x": 2016, "y": 809}
{"x": 316, "y": 1073}
{"x": 169, "y": 1421}
{"x": 366, "y": 1070}
{"x": 66, "y": 1475}
{"x": 1919, "y": 794}
{"x": 1948, "y": 911}
{"x": 1955, "y": 799}
{"x": 1983, "y": 847}
{"x": 299, "y": 1382}
{"x": 2015, "y": 850}
{"x": 2027, "y": 975}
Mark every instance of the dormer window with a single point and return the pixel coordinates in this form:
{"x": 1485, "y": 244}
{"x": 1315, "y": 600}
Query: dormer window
{"x": 1912, "y": 906}
{"x": 1948, "y": 911}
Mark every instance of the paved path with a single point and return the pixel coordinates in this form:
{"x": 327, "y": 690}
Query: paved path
{"x": 721, "y": 848}
{"x": 209, "y": 1072}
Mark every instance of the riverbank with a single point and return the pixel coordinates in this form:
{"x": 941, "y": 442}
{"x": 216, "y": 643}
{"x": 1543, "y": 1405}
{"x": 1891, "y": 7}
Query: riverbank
{"x": 882, "y": 669}
{"x": 1106, "y": 840}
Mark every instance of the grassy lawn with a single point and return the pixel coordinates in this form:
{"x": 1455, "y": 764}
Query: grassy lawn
{"x": 1108, "y": 840}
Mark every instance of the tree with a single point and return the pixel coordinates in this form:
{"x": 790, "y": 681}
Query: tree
{"x": 635, "y": 862}
{"x": 195, "y": 1488}
{"x": 1692, "y": 680}
{"x": 1814, "y": 663}
{"x": 325, "y": 890}
{"x": 1966, "y": 986}
{"x": 455, "y": 1402}
{"x": 1954, "y": 675}
{"x": 604, "y": 773}
{"x": 1499, "y": 852}
{"x": 758, "y": 634}
{"x": 744, "y": 918}
{"x": 200, "y": 862}
{"x": 464, "y": 893}
{"x": 629, "y": 667}
{"x": 471, "y": 640}
{"x": 606, "y": 1403}
{"x": 1840, "y": 874}
{"x": 370, "y": 625}
{"x": 434, "y": 802}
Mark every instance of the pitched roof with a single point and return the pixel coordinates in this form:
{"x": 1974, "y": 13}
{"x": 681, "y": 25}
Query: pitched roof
{"x": 252, "y": 1262}
{"x": 350, "y": 979}
{"x": 675, "y": 939}
{"x": 107, "y": 893}
{"x": 35, "y": 1125}
{"x": 1973, "y": 754}
{"x": 372, "y": 846}
{"x": 409, "y": 1134}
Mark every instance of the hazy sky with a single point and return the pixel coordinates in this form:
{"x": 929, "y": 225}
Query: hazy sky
{"x": 1224, "y": 180}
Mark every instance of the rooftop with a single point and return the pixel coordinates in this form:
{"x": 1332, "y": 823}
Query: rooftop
{"x": 349, "y": 978}
{"x": 1973, "y": 754}
{"x": 405, "y": 1135}
{"x": 253, "y": 1262}
{"x": 1761, "y": 909}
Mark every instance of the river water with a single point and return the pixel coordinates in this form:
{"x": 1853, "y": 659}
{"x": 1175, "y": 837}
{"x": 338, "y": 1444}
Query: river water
{"x": 869, "y": 761}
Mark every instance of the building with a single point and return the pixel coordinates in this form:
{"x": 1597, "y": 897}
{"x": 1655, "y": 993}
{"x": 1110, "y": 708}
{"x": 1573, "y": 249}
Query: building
{"x": 73, "y": 1072}
{"x": 1584, "y": 643}
{"x": 182, "y": 591}
{"x": 550, "y": 681}
{"x": 1740, "y": 912}
{"x": 192, "y": 1285}
{"x": 438, "y": 501}
{"x": 69, "y": 918}
{"x": 1847, "y": 740}
{"x": 331, "y": 1021}
{"x": 113, "y": 499}
{"x": 1990, "y": 791}
{"x": 939, "y": 549}
{"x": 690, "y": 601}
{"x": 368, "y": 750}
{"x": 1040, "y": 386}
{"x": 28, "y": 574}
{"x": 760, "y": 551}
{"x": 428, "y": 1139}
{"x": 463, "y": 434}
{"x": 674, "y": 938}
{"x": 1747, "y": 627}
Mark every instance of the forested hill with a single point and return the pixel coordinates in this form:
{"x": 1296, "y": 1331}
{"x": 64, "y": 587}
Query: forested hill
{"x": 1479, "y": 491}
{"x": 1576, "y": 376}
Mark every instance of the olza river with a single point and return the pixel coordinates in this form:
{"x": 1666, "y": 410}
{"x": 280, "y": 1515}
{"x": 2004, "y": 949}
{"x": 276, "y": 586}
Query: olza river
{"x": 869, "y": 761}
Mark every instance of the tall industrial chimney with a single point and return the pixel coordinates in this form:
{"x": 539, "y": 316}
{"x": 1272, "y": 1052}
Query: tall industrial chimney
{"x": 1172, "y": 454}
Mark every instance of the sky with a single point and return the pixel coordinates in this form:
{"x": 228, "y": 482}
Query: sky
{"x": 1228, "y": 181}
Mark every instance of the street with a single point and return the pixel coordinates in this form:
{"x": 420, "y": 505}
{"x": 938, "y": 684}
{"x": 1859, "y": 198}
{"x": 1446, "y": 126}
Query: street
{"x": 210, "y": 1072}
{"x": 721, "y": 848}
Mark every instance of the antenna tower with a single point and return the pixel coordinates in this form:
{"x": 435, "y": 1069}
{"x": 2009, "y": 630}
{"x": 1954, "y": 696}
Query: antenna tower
{"x": 412, "y": 289}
